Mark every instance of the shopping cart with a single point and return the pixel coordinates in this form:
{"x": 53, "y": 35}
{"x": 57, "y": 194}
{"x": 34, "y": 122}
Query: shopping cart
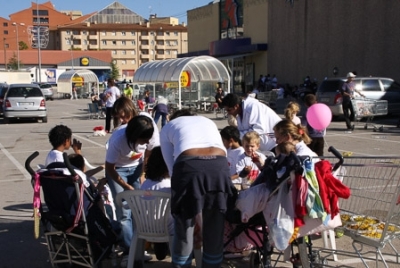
{"x": 371, "y": 216}
{"x": 368, "y": 108}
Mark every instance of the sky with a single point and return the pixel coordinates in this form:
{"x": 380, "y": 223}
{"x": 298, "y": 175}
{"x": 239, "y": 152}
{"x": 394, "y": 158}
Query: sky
{"x": 163, "y": 8}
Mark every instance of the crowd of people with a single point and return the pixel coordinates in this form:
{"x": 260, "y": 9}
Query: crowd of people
{"x": 190, "y": 158}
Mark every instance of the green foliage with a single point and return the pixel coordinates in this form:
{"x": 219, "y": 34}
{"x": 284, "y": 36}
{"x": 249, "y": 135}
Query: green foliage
{"x": 114, "y": 72}
{"x": 22, "y": 45}
{"x": 13, "y": 63}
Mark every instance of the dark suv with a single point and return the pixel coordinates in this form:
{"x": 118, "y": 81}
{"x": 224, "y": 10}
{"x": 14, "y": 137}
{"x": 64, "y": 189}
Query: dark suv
{"x": 375, "y": 88}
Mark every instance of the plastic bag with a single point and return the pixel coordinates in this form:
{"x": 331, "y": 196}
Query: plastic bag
{"x": 281, "y": 225}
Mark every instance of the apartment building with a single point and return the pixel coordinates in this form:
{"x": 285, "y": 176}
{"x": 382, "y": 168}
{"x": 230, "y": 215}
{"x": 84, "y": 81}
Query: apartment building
{"x": 131, "y": 45}
{"x": 131, "y": 39}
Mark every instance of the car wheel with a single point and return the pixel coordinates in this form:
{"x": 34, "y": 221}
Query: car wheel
{"x": 44, "y": 119}
{"x": 6, "y": 120}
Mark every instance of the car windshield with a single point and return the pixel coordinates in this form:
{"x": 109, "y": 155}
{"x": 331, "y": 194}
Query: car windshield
{"x": 330, "y": 86}
{"x": 24, "y": 92}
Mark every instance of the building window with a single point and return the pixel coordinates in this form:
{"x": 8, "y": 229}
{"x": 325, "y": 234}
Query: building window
{"x": 114, "y": 52}
{"x": 123, "y": 52}
{"x": 114, "y": 42}
{"x": 113, "y": 33}
{"x": 76, "y": 32}
{"x": 133, "y": 52}
{"x": 167, "y": 33}
{"x": 168, "y": 43}
{"x": 68, "y": 32}
{"x": 103, "y": 33}
{"x": 145, "y": 43}
{"x": 161, "y": 43}
{"x": 133, "y": 33}
{"x": 123, "y": 62}
{"x": 167, "y": 52}
{"x": 175, "y": 52}
{"x": 145, "y": 33}
{"x": 40, "y": 13}
{"x": 7, "y": 45}
{"x": 92, "y": 32}
{"x": 85, "y": 42}
{"x": 104, "y": 42}
{"x": 160, "y": 33}
{"x": 123, "y": 43}
{"x": 133, "y": 61}
{"x": 84, "y": 32}
{"x": 5, "y": 24}
{"x": 152, "y": 33}
{"x": 5, "y": 32}
{"x": 176, "y": 33}
{"x": 123, "y": 33}
{"x": 133, "y": 42}
{"x": 152, "y": 42}
{"x": 68, "y": 41}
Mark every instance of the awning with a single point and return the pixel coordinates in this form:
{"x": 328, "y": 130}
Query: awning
{"x": 66, "y": 79}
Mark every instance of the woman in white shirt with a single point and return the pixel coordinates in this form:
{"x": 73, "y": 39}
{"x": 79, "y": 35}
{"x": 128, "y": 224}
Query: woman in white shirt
{"x": 291, "y": 111}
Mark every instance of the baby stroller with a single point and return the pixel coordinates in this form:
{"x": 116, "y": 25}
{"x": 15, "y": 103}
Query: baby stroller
{"x": 76, "y": 230}
{"x": 252, "y": 217}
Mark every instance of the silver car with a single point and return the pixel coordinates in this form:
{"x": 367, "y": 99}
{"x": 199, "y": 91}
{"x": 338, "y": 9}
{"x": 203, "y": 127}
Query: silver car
{"x": 24, "y": 101}
{"x": 375, "y": 88}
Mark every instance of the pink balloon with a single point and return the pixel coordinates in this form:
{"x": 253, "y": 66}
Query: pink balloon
{"x": 319, "y": 116}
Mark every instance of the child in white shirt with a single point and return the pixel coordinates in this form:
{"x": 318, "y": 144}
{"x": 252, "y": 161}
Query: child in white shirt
{"x": 251, "y": 162}
{"x": 231, "y": 139}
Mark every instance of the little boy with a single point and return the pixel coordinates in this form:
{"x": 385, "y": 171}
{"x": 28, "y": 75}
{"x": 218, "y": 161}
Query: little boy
{"x": 317, "y": 136}
{"x": 251, "y": 162}
{"x": 231, "y": 139}
{"x": 60, "y": 138}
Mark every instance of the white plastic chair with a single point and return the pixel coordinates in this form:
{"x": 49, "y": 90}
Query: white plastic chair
{"x": 150, "y": 213}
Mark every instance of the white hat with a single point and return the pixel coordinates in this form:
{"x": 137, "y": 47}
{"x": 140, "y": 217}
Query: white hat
{"x": 351, "y": 75}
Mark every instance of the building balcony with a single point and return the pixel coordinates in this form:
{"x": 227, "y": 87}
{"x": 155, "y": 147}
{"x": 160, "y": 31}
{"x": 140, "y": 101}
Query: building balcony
{"x": 144, "y": 47}
{"x": 144, "y": 37}
{"x": 160, "y": 47}
{"x": 160, "y": 56}
{"x": 93, "y": 46}
{"x": 145, "y": 56}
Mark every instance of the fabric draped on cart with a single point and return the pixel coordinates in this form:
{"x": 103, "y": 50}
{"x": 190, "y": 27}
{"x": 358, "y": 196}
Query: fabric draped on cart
{"x": 313, "y": 203}
{"x": 330, "y": 188}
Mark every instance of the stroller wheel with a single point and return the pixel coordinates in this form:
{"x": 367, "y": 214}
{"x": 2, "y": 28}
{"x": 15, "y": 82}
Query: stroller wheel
{"x": 255, "y": 260}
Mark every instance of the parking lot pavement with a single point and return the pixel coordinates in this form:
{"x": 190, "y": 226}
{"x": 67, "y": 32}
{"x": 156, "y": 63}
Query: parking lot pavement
{"x": 18, "y": 140}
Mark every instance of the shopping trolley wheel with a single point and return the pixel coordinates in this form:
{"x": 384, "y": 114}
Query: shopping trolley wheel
{"x": 381, "y": 128}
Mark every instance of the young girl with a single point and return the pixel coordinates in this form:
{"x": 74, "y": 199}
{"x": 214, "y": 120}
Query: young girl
{"x": 251, "y": 162}
{"x": 231, "y": 138}
{"x": 291, "y": 111}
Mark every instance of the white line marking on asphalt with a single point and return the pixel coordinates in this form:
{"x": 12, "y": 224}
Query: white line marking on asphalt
{"x": 15, "y": 162}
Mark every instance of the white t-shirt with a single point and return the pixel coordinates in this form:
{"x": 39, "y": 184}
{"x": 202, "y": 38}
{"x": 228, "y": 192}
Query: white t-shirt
{"x": 303, "y": 150}
{"x": 260, "y": 118}
{"x": 114, "y": 94}
{"x": 119, "y": 152}
{"x": 188, "y": 132}
{"x": 296, "y": 120}
{"x": 163, "y": 186}
{"x": 244, "y": 160}
{"x": 54, "y": 156}
{"x": 232, "y": 155}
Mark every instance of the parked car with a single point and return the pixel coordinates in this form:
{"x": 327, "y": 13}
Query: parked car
{"x": 375, "y": 88}
{"x": 47, "y": 90}
{"x": 3, "y": 89}
{"x": 24, "y": 101}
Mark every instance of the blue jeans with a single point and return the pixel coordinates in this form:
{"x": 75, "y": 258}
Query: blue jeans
{"x": 131, "y": 175}
{"x": 163, "y": 118}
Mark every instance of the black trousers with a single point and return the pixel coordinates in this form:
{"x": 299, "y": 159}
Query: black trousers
{"x": 348, "y": 113}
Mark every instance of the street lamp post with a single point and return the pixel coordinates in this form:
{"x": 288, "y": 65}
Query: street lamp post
{"x": 16, "y": 26}
{"x": 39, "y": 43}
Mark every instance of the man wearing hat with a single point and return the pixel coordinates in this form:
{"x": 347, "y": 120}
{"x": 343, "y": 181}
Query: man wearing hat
{"x": 347, "y": 92}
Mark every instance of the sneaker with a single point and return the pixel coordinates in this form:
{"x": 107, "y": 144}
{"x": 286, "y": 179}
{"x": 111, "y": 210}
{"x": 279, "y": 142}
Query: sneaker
{"x": 352, "y": 128}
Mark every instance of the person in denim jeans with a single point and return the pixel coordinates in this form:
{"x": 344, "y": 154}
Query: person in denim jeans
{"x": 124, "y": 163}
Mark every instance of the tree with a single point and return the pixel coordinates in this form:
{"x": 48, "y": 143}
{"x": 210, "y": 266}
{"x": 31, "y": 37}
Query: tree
{"x": 13, "y": 63}
{"x": 114, "y": 72}
{"x": 22, "y": 45}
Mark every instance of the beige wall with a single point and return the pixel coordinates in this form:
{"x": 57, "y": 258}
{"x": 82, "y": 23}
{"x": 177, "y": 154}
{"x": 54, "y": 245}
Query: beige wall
{"x": 312, "y": 36}
{"x": 203, "y": 27}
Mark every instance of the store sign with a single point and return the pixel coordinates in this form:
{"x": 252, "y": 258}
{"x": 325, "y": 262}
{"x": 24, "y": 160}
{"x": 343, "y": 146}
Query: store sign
{"x": 84, "y": 61}
{"x": 171, "y": 85}
{"x": 185, "y": 79}
{"x": 77, "y": 81}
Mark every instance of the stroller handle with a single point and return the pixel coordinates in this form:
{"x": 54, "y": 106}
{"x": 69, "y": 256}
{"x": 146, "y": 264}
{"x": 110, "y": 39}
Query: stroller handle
{"x": 338, "y": 155}
{"x": 28, "y": 163}
{"x": 68, "y": 164}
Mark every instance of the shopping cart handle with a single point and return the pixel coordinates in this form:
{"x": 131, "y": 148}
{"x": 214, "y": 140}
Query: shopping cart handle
{"x": 28, "y": 162}
{"x": 338, "y": 155}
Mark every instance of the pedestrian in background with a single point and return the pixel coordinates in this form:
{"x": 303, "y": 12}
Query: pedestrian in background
{"x": 110, "y": 95}
{"x": 347, "y": 92}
